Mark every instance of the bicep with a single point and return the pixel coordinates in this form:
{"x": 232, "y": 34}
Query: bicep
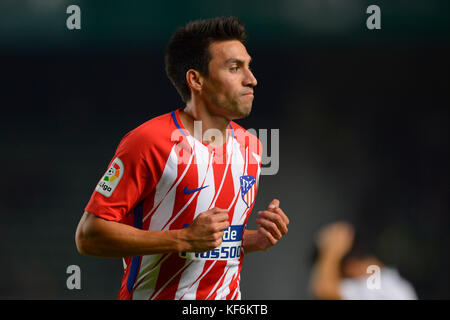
{"x": 90, "y": 226}
{"x": 99, "y": 237}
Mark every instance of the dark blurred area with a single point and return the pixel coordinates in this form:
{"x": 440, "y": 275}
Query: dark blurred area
{"x": 363, "y": 119}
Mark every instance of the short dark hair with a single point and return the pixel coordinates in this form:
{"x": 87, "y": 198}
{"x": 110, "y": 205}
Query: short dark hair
{"x": 188, "y": 48}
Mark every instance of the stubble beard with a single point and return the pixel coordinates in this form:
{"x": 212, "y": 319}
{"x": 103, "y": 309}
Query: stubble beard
{"x": 233, "y": 109}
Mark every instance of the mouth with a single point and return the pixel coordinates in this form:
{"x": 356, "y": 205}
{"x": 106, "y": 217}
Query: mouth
{"x": 250, "y": 93}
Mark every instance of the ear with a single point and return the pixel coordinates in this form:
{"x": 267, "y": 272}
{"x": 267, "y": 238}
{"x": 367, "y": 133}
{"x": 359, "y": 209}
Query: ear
{"x": 194, "y": 79}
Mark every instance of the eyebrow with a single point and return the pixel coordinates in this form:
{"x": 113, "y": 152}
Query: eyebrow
{"x": 238, "y": 61}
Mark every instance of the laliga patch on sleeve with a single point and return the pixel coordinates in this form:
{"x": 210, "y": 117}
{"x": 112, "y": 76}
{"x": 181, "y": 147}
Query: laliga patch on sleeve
{"x": 111, "y": 178}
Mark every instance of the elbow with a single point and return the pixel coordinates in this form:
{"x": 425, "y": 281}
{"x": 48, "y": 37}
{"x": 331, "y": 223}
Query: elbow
{"x": 83, "y": 238}
{"x": 82, "y": 241}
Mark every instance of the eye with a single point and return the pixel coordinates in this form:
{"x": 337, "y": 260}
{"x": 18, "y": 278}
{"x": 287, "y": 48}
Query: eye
{"x": 234, "y": 69}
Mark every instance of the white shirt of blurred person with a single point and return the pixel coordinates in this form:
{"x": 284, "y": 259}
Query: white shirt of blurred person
{"x": 341, "y": 275}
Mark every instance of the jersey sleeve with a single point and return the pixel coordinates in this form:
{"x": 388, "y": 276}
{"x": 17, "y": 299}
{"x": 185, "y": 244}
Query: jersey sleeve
{"x": 129, "y": 178}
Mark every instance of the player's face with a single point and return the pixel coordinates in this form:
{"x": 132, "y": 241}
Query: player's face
{"x": 228, "y": 89}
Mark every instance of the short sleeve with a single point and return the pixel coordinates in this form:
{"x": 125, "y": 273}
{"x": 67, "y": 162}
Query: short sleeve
{"x": 127, "y": 180}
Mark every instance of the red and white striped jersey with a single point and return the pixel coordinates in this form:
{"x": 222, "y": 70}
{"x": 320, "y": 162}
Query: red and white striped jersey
{"x": 161, "y": 178}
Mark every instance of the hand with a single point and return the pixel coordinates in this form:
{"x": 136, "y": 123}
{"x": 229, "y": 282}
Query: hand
{"x": 336, "y": 239}
{"x": 206, "y": 231}
{"x": 272, "y": 225}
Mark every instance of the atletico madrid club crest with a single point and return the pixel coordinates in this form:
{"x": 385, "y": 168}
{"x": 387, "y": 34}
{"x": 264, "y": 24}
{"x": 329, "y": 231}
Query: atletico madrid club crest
{"x": 248, "y": 189}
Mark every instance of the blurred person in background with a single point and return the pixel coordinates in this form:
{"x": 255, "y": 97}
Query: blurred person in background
{"x": 345, "y": 266}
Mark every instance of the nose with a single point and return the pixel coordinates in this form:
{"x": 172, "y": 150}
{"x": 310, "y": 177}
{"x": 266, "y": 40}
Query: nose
{"x": 250, "y": 80}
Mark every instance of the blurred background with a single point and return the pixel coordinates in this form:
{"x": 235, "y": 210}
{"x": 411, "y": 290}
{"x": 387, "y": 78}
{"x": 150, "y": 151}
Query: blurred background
{"x": 362, "y": 114}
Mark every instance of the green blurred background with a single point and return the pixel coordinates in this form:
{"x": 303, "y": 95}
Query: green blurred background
{"x": 39, "y": 25}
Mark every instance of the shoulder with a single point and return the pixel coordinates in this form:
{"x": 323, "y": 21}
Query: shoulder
{"x": 154, "y": 134}
{"x": 162, "y": 126}
{"x": 398, "y": 287}
{"x": 155, "y": 130}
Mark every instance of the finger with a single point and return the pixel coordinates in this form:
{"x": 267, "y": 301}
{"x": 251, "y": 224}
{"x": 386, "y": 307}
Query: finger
{"x": 218, "y": 235}
{"x": 275, "y": 218}
{"x": 216, "y": 210}
{"x": 223, "y": 225}
{"x": 283, "y": 215}
{"x": 219, "y": 213}
{"x": 271, "y": 227}
{"x": 215, "y": 242}
{"x": 275, "y": 203}
{"x": 275, "y": 207}
{"x": 219, "y": 217}
{"x": 268, "y": 235}
{"x": 216, "y": 215}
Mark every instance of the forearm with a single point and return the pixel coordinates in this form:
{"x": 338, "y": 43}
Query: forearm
{"x": 326, "y": 277}
{"x": 98, "y": 237}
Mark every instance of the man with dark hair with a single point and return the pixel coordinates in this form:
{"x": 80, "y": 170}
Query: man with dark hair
{"x": 344, "y": 264}
{"x": 189, "y": 48}
{"x": 176, "y": 197}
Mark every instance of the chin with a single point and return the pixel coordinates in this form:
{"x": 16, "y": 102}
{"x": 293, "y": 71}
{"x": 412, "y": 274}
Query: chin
{"x": 241, "y": 114}
{"x": 247, "y": 110}
{"x": 243, "y": 111}
{"x": 237, "y": 111}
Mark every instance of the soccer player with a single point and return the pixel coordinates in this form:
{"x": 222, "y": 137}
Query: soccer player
{"x": 344, "y": 266}
{"x": 176, "y": 197}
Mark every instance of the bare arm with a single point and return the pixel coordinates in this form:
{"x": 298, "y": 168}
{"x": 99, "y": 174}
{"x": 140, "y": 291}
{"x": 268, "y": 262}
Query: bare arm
{"x": 99, "y": 237}
{"x": 333, "y": 242}
{"x": 326, "y": 278}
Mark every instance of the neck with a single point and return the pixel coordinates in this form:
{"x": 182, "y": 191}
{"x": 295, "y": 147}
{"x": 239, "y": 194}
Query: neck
{"x": 203, "y": 124}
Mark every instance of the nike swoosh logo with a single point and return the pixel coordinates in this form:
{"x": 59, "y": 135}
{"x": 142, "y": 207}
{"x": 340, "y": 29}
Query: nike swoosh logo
{"x": 190, "y": 191}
